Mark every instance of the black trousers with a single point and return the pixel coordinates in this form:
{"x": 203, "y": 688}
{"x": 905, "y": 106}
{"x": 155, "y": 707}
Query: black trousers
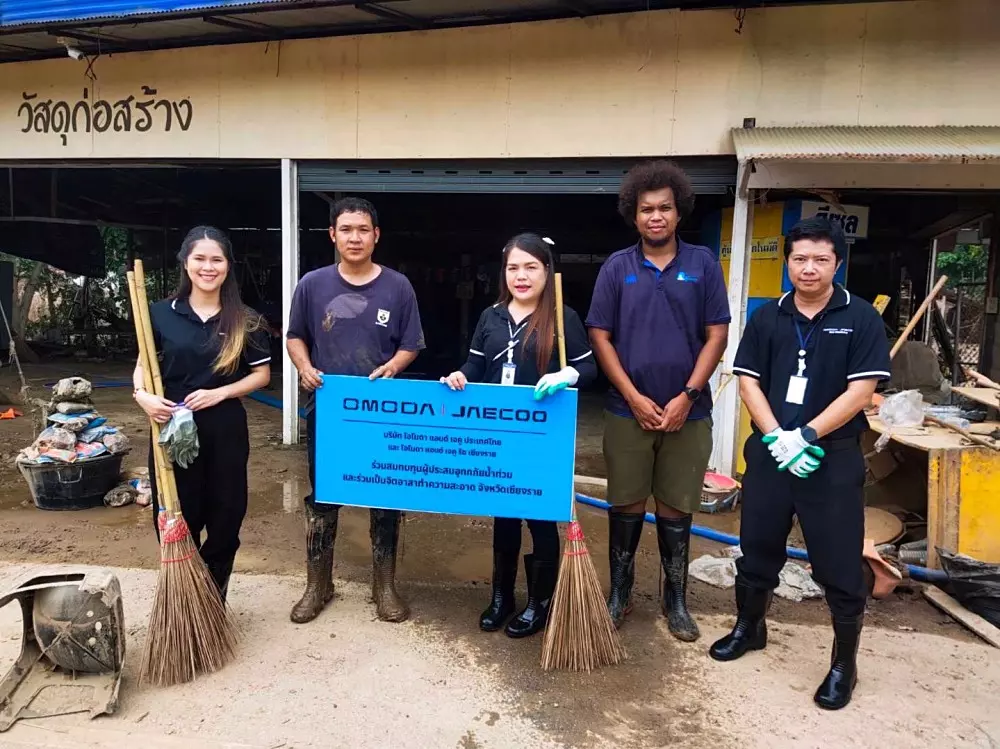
{"x": 830, "y": 507}
{"x": 544, "y": 538}
{"x": 213, "y": 489}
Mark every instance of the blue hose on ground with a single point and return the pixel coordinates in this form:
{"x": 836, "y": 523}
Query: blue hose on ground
{"x": 922, "y": 574}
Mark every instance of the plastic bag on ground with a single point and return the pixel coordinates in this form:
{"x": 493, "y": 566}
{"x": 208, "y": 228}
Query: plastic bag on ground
{"x": 905, "y": 409}
{"x": 974, "y": 584}
{"x": 180, "y": 435}
{"x": 121, "y": 495}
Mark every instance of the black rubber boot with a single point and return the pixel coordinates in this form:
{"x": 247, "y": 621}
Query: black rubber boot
{"x": 624, "y": 532}
{"x": 502, "y": 604}
{"x": 221, "y": 572}
{"x": 389, "y": 606}
{"x": 750, "y": 632}
{"x": 541, "y": 585}
{"x": 321, "y": 533}
{"x": 838, "y": 686}
{"x": 674, "y": 535}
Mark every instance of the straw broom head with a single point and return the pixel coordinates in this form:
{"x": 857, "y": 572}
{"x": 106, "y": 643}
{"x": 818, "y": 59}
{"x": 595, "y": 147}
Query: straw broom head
{"x": 190, "y": 631}
{"x": 580, "y": 635}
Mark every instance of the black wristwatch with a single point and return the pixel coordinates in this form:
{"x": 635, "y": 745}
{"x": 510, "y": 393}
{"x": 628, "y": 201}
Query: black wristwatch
{"x": 693, "y": 394}
{"x": 808, "y": 434}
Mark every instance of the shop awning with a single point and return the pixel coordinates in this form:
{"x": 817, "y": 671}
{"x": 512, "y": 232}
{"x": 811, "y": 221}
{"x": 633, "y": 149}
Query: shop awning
{"x": 957, "y": 145}
{"x": 871, "y": 157}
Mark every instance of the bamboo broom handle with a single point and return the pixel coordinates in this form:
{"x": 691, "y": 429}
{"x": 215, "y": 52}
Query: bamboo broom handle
{"x": 561, "y": 342}
{"x": 147, "y": 376}
{"x": 560, "y": 323}
{"x": 168, "y": 490}
{"x": 916, "y": 317}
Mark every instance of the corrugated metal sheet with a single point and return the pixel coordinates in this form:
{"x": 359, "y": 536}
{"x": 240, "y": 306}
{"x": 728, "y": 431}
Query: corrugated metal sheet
{"x": 24, "y": 12}
{"x": 884, "y": 144}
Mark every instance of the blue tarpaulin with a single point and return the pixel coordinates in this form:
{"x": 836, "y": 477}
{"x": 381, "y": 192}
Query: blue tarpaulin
{"x": 24, "y": 12}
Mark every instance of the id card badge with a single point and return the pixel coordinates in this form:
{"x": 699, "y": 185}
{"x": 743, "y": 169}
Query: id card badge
{"x": 507, "y": 376}
{"x": 796, "y": 390}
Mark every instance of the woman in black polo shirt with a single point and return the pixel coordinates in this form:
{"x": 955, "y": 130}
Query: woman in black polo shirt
{"x": 214, "y": 351}
{"x": 514, "y": 344}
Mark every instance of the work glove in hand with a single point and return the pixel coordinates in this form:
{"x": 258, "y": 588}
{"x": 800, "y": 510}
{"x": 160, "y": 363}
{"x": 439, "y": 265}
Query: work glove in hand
{"x": 553, "y": 383}
{"x": 792, "y": 452}
{"x": 180, "y": 436}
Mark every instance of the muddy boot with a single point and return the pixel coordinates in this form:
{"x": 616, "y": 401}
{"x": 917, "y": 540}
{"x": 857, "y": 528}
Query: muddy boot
{"x": 624, "y": 532}
{"x": 674, "y": 535}
{"x": 502, "y": 604}
{"x": 385, "y": 539}
{"x": 750, "y": 632}
{"x": 541, "y": 585}
{"x": 838, "y": 686}
{"x": 221, "y": 571}
{"x": 321, "y": 533}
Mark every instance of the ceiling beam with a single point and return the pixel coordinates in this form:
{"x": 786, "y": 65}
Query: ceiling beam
{"x": 251, "y": 27}
{"x": 577, "y": 6}
{"x": 81, "y": 36}
{"x": 390, "y": 14}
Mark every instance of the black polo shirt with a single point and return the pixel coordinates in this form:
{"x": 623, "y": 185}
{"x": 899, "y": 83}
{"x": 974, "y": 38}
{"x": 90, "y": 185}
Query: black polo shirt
{"x": 495, "y": 331}
{"x": 189, "y": 346}
{"x": 845, "y": 342}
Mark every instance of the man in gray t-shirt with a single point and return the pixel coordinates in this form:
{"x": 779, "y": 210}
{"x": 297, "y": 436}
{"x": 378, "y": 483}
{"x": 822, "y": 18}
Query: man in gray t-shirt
{"x": 352, "y": 318}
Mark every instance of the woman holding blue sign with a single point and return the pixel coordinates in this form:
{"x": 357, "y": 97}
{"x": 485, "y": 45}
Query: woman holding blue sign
{"x": 514, "y": 344}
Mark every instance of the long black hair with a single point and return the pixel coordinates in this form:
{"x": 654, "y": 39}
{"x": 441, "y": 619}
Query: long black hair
{"x": 235, "y": 320}
{"x": 543, "y": 322}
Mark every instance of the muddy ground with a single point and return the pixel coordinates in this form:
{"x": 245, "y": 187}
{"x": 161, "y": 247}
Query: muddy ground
{"x": 444, "y": 571}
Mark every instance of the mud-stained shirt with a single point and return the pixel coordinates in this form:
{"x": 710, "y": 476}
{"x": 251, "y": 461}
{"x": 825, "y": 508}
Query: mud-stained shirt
{"x": 351, "y": 330}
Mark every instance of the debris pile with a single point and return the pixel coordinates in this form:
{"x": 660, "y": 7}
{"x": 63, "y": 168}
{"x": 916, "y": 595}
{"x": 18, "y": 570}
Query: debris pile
{"x": 76, "y": 432}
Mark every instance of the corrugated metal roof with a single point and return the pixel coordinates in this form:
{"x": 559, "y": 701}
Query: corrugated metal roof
{"x": 884, "y": 144}
{"x": 24, "y": 12}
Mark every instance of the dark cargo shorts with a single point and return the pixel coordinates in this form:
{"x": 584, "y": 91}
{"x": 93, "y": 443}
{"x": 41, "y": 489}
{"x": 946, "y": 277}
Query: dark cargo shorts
{"x": 669, "y": 465}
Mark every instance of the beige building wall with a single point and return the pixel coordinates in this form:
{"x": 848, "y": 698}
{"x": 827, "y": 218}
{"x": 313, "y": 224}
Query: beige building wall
{"x": 665, "y": 82}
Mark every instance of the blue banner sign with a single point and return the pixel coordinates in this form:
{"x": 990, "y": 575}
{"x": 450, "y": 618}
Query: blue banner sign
{"x": 416, "y": 445}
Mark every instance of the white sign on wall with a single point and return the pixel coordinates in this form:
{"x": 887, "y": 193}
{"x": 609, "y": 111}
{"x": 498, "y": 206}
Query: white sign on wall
{"x": 853, "y": 218}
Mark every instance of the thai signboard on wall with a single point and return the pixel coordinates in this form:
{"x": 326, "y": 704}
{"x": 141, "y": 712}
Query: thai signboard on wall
{"x": 852, "y": 218}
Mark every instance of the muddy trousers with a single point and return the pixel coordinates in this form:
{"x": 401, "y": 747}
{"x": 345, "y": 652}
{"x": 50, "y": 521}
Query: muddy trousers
{"x": 829, "y": 505}
{"x": 213, "y": 489}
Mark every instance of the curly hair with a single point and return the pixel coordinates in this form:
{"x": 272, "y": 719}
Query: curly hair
{"x": 649, "y": 177}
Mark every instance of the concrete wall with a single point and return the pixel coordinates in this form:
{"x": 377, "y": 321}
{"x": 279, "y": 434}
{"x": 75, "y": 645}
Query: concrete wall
{"x": 665, "y": 82}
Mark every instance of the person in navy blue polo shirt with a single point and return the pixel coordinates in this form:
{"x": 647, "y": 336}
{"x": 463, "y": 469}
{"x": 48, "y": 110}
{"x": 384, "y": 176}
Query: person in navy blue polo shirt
{"x": 808, "y": 365}
{"x": 658, "y": 324}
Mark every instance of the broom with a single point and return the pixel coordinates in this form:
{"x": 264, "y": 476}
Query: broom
{"x": 190, "y": 630}
{"x": 580, "y": 635}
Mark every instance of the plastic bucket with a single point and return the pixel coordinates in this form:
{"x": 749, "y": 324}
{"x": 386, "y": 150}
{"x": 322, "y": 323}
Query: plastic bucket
{"x": 72, "y": 486}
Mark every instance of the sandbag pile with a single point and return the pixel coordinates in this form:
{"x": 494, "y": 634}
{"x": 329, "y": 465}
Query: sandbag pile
{"x": 76, "y": 431}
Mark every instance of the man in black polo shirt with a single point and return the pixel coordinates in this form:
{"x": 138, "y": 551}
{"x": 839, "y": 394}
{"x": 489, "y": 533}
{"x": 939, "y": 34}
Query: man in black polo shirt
{"x": 808, "y": 365}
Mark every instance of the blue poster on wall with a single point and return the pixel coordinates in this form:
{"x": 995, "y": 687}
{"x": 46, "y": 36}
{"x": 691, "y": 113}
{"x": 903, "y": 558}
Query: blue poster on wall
{"x": 417, "y": 445}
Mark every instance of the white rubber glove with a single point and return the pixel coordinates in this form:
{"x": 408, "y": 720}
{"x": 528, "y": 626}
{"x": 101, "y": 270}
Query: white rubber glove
{"x": 807, "y": 462}
{"x": 785, "y": 446}
{"x": 553, "y": 383}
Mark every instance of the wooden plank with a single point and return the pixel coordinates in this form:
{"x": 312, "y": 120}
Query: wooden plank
{"x": 974, "y": 622}
{"x": 927, "y": 437}
{"x": 986, "y": 396}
